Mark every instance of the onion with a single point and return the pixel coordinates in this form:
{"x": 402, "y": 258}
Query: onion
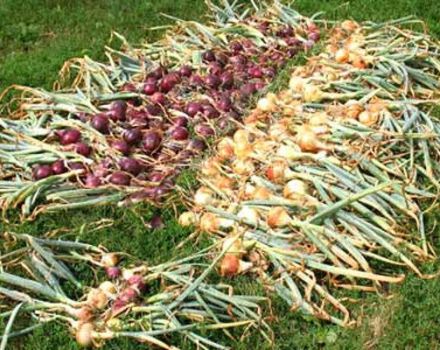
{"x": 84, "y": 334}
{"x": 109, "y": 259}
{"x": 295, "y": 189}
{"x": 353, "y": 110}
{"x": 225, "y": 148}
{"x": 108, "y": 288}
{"x": 118, "y": 110}
{"x": 215, "y": 68}
{"x": 76, "y": 166}
{"x": 132, "y": 136}
{"x": 249, "y": 216}
{"x": 308, "y": 141}
{"x": 314, "y": 36}
{"x": 58, "y": 167}
{"x": 248, "y": 89}
{"x": 204, "y": 196}
{"x": 92, "y": 181}
{"x": 187, "y": 218}
{"x": 368, "y": 118}
{"x": 213, "y": 81}
{"x": 261, "y": 193}
{"x": 208, "y": 56}
{"x": 156, "y": 222}
{"x": 154, "y": 110}
{"x": 286, "y": 31}
{"x": 204, "y": 130}
{"x": 192, "y": 108}
{"x": 42, "y": 171}
{"x": 296, "y": 84}
{"x": 312, "y": 93}
{"x": 196, "y": 145}
{"x": 83, "y": 314}
{"x": 149, "y": 89}
{"x": 243, "y": 167}
{"x": 210, "y": 112}
{"x": 121, "y": 146}
{"x": 180, "y": 121}
{"x": 158, "y": 98}
{"x": 196, "y": 80}
{"x": 97, "y": 299}
{"x": 255, "y": 72}
{"x": 185, "y": 71}
{"x": 137, "y": 281}
{"x": 100, "y": 122}
{"x": 113, "y": 272}
{"x": 151, "y": 141}
{"x": 230, "y": 265}
{"x": 119, "y": 178}
{"x": 82, "y": 148}
{"x": 342, "y": 55}
{"x": 69, "y": 136}
{"x": 278, "y": 217}
{"x": 224, "y": 104}
{"x": 349, "y": 26}
{"x": 179, "y": 133}
{"x": 266, "y": 104}
{"x": 158, "y": 73}
{"x": 130, "y": 165}
{"x": 236, "y": 46}
{"x": 128, "y": 295}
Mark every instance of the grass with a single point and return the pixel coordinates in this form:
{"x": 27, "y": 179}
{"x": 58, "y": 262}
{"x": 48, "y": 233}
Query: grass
{"x": 37, "y": 36}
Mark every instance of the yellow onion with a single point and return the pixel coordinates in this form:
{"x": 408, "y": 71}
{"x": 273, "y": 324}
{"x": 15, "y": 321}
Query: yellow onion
{"x": 312, "y": 93}
{"x": 241, "y": 136}
{"x": 243, "y": 167}
{"x": 225, "y": 148}
{"x": 308, "y": 141}
{"x": 349, "y": 26}
{"x": 188, "y": 218}
{"x": 276, "y": 172}
{"x": 210, "y": 222}
{"x": 368, "y": 118}
{"x": 289, "y": 152}
{"x": 83, "y": 314}
{"x": 108, "y": 288}
{"x": 268, "y": 103}
{"x": 278, "y": 217}
{"x": 295, "y": 189}
{"x": 242, "y": 150}
{"x": 234, "y": 245}
{"x": 210, "y": 167}
{"x": 84, "y": 334}
{"x": 319, "y": 118}
{"x": 278, "y": 132}
{"x": 353, "y": 109}
{"x": 249, "y": 215}
{"x": 357, "y": 61}
{"x": 342, "y": 55}
{"x": 223, "y": 183}
{"x": 231, "y": 266}
{"x": 262, "y": 193}
{"x": 114, "y": 324}
{"x": 204, "y": 196}
{"x": 296, "y": 84}
{"x": 97, "y": 299}
{"x": 109, "y": 259}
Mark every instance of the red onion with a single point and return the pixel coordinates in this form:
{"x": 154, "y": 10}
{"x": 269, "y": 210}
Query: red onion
{"x": 129, "y": 87}
{"x": 58, "y": 167}
{"x": 213, "y": 81}
{"x": 192, "y": 108}
{"x": 224, "y": 104}
{"x": 269, "y": 72}
{"x": 196, "y": 145}
{"x": 151, "y": 141}
{"x": 100, "y": 122}
{"x": 169, "y": 81}
{"x": 149, "y": 89}
{"x": 204, "y": 130}
{"x": 137, "y": 282}
{"x": 238, "y": 60}
{"x": 76, "y": 166}
{"x": 185, "y": 71}
{"x": 248, "y": 89}
{"x": 227, "y": 80}
{"x": 132, "y": 136}
{"x": 236, "y": 47}
{"x": 293, "y": 41}
{"x": 121, "y": 146}
{"x": 208, "y": 56}
{"x": 196, "y": 80}
{"x": 158, "y": 98}
{"x": 179, "y": 133}
{"x": 215, "y": 68}
{"x": 158, "y": 73}
{"x": 151, "y": 80}
{"x": 156, "y": 177}
{"x": 156, "y": 222}
{"x": 154, "y": 110}
{"x": 286, "y": 31}
{"x": 118, "y": 111}
{"x": 259, "y": 85}
{"x": 120, "y": 178}
{"x": 130, "y": 165}
{"x": 180, "y": 121}
{"x": 128, "y": 295}
{"x": 308, "y": 44}
{"x": 69, "y": 136}
{"x": 82, "y": 148}
{"x": 255, "y": 72}
{"x": 314, "y": 36}
{"x": 113, "y": 272}
{"x": 42, "y": 171}
{"x": 209, "y": 111}
{"x": 92, "y": 181}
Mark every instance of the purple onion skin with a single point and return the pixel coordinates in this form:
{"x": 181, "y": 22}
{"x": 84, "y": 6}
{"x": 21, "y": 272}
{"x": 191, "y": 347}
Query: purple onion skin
{"x": 69, "y": 136}
{"x": 113, "y": 272}
{"x": 120, "y": 178}
{"x": 210, "y": 112}
{"x": 224, "y": 104}
{"x": 137, "y": 281}
{"x": 129, "y": 87}
{"x": 130, "y": 165}
{"x": 196, "y": 80}
{"x": 192, "y": 108}
{"x": 82, "y": 148}
{"x": 236, "y": 47}
{"x": 76, "y": 166}
{"x": 154, "y": 110}
{"x": 314, "y": 36}
{"x": 128, "y": 295}
{"x": 100, "y": 123}
{"x": 158, "y": 73}
{"x": 58, "y": 167}
{"x": 42, "y": 171}
{"x": 196, "y": 145}
{"x": 149, "y": 89}
{"x": 215, "y": 68}
{"x": 132, "y": 136}
{"x": 121, "y": 146}
{"x": 213, "y": 81}
{"x": 151, "y": 141}
{"x": 255, "y": 72}
{"x": 185, "y": 71}
{"x": 118, "y": 110}
{"x": 227, "y": 80}
{"x": 204, "y": 130}
{"x": 180, "y": 121}
{"x": 92, "y": 181}
{"x": 156, "y": 222}
{"x": 179, "y": 133}
{"x": 208, "y": 56}
{"x": 158, "y": 98}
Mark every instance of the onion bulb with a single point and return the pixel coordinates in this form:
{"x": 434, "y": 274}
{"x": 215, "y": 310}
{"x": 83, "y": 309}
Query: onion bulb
{"x": 187, "y": 218}
{"x": 308, "y": 141}
{"x": 243, "y": 167}
{"x": 204, "y": 196}
{"x": 289, "y": 152}
{"x": 268, "y": 103}
{"x": 231, "y": 266}
{"x": 84, "y": 334}
{"x": 352, "y": 110}
{"x": 295, "y": 189}
{"x": 212, "y": 223}
{"x": 97, "y": 299}
{"x": 225, "y": 148}
{"x": 109, "y": 259}
{"x": 349, "y": 26}
{"x": 262, "y": 193}
{"x": 108, "y": 288}
{"x": 278, "y": 217}
{"x": 312, "y": 93}
{"x": 342, "y": 56}
{"x": 296, "y": 84}
{"x": 368, "y": 118}
{"x": 276, "y": 172}
{"x": 249, "y": 216}
{"x": 210, "y": 167}
{"x": 234, "y": 245}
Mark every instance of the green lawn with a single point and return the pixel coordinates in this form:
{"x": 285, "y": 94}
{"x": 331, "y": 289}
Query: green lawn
{"x": 37, "y": 36}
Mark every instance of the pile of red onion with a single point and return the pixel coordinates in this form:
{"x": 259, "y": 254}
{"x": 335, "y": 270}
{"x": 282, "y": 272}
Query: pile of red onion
{"x": 154, "y": 135}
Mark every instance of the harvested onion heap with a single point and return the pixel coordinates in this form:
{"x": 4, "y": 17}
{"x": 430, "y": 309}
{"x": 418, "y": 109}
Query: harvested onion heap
{"x": 145, "y": 303}
{"x": 326, "y": 179}
{"x": 125, "y": 128}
